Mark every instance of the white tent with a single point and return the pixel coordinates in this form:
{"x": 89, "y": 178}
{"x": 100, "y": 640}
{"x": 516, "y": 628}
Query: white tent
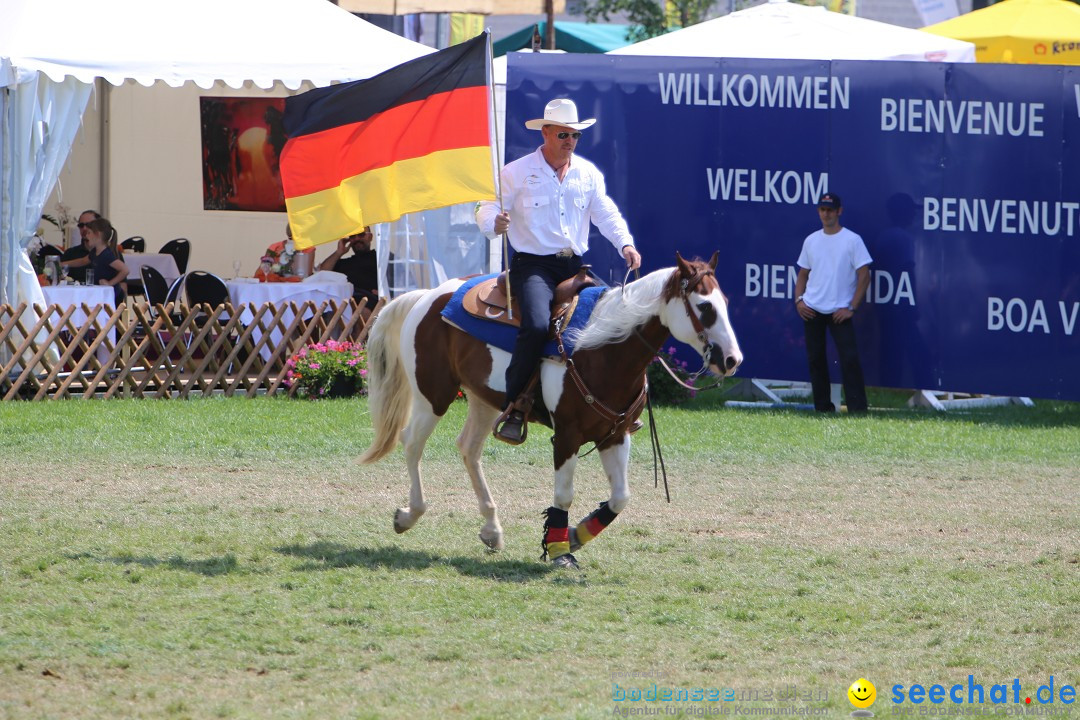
{"x": 52, "y": 50}
{"x": 781, "y": 29}
{"x": 200, "y": 41}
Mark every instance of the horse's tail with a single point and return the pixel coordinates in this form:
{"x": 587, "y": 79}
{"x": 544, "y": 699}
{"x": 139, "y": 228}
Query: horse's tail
{"x": 389, "y": 391}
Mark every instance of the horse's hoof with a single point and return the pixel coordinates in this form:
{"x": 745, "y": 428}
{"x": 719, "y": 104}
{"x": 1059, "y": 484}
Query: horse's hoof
{"x": 398, "y": 527}
{"x": 495, "y": 542}
{"x": 567, "y": 561}
{"x": 574, "y": 544}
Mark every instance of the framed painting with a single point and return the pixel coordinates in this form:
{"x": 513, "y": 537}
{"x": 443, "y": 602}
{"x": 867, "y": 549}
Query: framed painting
{"x": 242, "y": 140}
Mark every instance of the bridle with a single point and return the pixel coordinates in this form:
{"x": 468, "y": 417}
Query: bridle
{"x": 621, "y": 420}
{"x": 686, "y": 287}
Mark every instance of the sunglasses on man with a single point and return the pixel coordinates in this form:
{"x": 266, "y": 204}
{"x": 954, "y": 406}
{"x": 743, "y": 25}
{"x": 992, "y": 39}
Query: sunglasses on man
{"x": 82, "y": 225}
{"x": 564, "y": 135}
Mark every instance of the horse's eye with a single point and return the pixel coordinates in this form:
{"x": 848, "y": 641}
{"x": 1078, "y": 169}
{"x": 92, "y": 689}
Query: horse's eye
{"x": 708, "y": 313}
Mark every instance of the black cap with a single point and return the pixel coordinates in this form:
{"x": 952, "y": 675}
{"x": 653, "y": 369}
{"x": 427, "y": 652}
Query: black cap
{"x": 829, "y": 200}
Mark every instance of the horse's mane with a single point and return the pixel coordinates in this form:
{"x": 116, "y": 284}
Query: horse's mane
{"x": 621, "y": 310}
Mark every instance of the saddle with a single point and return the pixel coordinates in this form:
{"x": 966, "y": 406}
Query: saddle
{"x": 488, "y": 301}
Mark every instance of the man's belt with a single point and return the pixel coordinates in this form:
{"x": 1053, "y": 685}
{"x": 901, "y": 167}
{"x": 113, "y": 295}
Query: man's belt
{"x": 565, "y": 253}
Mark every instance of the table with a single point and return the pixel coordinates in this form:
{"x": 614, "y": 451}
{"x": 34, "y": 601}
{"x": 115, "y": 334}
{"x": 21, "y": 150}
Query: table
{"x": 164, "y": 263}
{"x": 242, "y": 293}
{"x": 79, "y": 295}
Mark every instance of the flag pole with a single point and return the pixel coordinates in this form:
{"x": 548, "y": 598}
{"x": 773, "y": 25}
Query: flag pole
{"x": 498, "y": 175}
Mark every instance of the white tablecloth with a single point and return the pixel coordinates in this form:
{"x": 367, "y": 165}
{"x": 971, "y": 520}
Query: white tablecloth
{"x": 162, "y": 262}
{"x": 242, "y": 293}
{"x": 78, "y": 295}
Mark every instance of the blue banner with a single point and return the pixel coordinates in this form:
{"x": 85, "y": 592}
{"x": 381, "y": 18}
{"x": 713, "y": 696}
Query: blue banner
{"x": 962, "y": 179}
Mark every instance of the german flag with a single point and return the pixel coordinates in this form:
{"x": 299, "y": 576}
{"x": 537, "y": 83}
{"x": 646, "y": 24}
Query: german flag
{"x": 415, "y": 137}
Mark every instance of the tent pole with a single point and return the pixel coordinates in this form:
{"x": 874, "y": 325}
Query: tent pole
{"x": 104, "y": 164}
{"x": 549, "y": 31}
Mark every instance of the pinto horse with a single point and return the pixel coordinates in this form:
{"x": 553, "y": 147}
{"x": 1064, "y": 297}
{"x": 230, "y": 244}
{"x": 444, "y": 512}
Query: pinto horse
{"x": 417, "y": 363}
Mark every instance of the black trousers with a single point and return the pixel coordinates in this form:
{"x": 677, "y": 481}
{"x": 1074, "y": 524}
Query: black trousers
{"x": 843, "y": 335}
{"x": 533, "y": 279}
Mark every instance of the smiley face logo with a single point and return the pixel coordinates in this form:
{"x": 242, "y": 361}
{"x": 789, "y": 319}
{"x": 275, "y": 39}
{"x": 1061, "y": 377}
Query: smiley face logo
{"x": 862, "y": 693}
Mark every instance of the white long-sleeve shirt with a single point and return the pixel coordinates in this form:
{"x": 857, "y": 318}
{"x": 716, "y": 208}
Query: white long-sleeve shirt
{"x": 547, "y": 216}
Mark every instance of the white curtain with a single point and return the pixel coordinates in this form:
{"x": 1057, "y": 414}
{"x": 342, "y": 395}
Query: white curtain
{"x": 425, "y": 249}
{"x": 40, "y": 118}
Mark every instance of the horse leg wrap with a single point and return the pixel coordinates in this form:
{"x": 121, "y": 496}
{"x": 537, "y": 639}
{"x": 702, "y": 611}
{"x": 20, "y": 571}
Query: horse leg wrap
{"x": 594, "y": 523}
{"x": 556, "y": 540}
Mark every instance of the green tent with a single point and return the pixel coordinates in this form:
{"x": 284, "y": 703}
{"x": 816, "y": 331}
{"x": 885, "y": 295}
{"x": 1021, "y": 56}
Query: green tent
{"x": 575, "y": 37}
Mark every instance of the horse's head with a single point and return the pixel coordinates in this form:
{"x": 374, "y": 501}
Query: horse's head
{"x": 697, "y": 314}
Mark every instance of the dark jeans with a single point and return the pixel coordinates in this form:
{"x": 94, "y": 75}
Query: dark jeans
{"x": 843, "y": 335}
{"x": 533, "y": 279}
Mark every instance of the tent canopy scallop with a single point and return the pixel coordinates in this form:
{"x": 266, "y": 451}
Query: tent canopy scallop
{"x": 201, "y": 41}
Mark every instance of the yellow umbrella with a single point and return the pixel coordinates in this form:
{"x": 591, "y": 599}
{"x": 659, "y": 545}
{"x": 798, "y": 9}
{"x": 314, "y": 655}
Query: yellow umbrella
{"x": 1019, "y": 31}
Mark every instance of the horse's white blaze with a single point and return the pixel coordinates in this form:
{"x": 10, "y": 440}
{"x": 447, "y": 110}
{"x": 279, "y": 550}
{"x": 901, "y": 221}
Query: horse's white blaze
{"x": 722, "y": 334}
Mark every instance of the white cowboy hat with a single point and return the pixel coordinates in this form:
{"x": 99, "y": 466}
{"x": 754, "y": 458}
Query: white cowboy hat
{"x": 560, "y": 112}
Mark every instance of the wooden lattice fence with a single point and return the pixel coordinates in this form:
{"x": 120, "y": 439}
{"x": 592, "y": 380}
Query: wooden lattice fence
{"x": 164, "y": 351}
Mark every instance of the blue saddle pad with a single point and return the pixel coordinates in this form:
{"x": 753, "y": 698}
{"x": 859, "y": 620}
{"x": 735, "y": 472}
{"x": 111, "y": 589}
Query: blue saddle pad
{"x": 503, "y": 336}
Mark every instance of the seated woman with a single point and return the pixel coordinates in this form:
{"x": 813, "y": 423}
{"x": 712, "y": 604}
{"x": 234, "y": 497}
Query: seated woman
{"x": 105, "y": 261}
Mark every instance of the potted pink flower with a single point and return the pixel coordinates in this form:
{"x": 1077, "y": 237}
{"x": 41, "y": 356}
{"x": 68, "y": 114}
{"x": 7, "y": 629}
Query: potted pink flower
{"x": 328, "y": 369}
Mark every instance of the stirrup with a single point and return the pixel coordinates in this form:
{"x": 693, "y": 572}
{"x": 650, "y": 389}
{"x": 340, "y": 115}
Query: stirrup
{"x": 512, "y": 426}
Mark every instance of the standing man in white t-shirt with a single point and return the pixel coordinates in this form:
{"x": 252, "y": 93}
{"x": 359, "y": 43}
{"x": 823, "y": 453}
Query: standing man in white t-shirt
{"x": 834, "y": 273}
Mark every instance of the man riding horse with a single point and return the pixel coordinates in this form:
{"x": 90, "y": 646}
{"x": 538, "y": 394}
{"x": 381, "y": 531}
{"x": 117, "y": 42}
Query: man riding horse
{"x": 550, "y": 197}
{"x": 419, "y": 357}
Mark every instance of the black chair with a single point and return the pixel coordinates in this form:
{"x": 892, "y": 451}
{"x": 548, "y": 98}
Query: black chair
{"x": 180, "y": 249}
{"x": 135, "y": 243}
{"x": 202, "y": 287}
{"x": 158, "y": 292}
{"x": 173, "y": 295}
{"x": 155, "y": 286}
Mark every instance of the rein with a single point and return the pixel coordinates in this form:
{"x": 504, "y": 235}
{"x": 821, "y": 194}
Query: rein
{"x": 618, "y": 420}
{"x": 687, "y": 286}
{"x": 693, "y": 376}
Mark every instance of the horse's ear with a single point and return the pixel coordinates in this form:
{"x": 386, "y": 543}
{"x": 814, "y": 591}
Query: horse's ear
{"x": 684, "y": 267}
{"x": 715, "y": 257}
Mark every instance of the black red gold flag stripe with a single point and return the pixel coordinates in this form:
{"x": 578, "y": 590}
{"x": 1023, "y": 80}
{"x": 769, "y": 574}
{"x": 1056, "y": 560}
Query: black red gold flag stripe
{"x": 416, "y": 137}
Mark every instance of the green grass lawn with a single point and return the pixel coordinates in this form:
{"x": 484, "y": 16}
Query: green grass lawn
{"x": 228, "y": 558}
